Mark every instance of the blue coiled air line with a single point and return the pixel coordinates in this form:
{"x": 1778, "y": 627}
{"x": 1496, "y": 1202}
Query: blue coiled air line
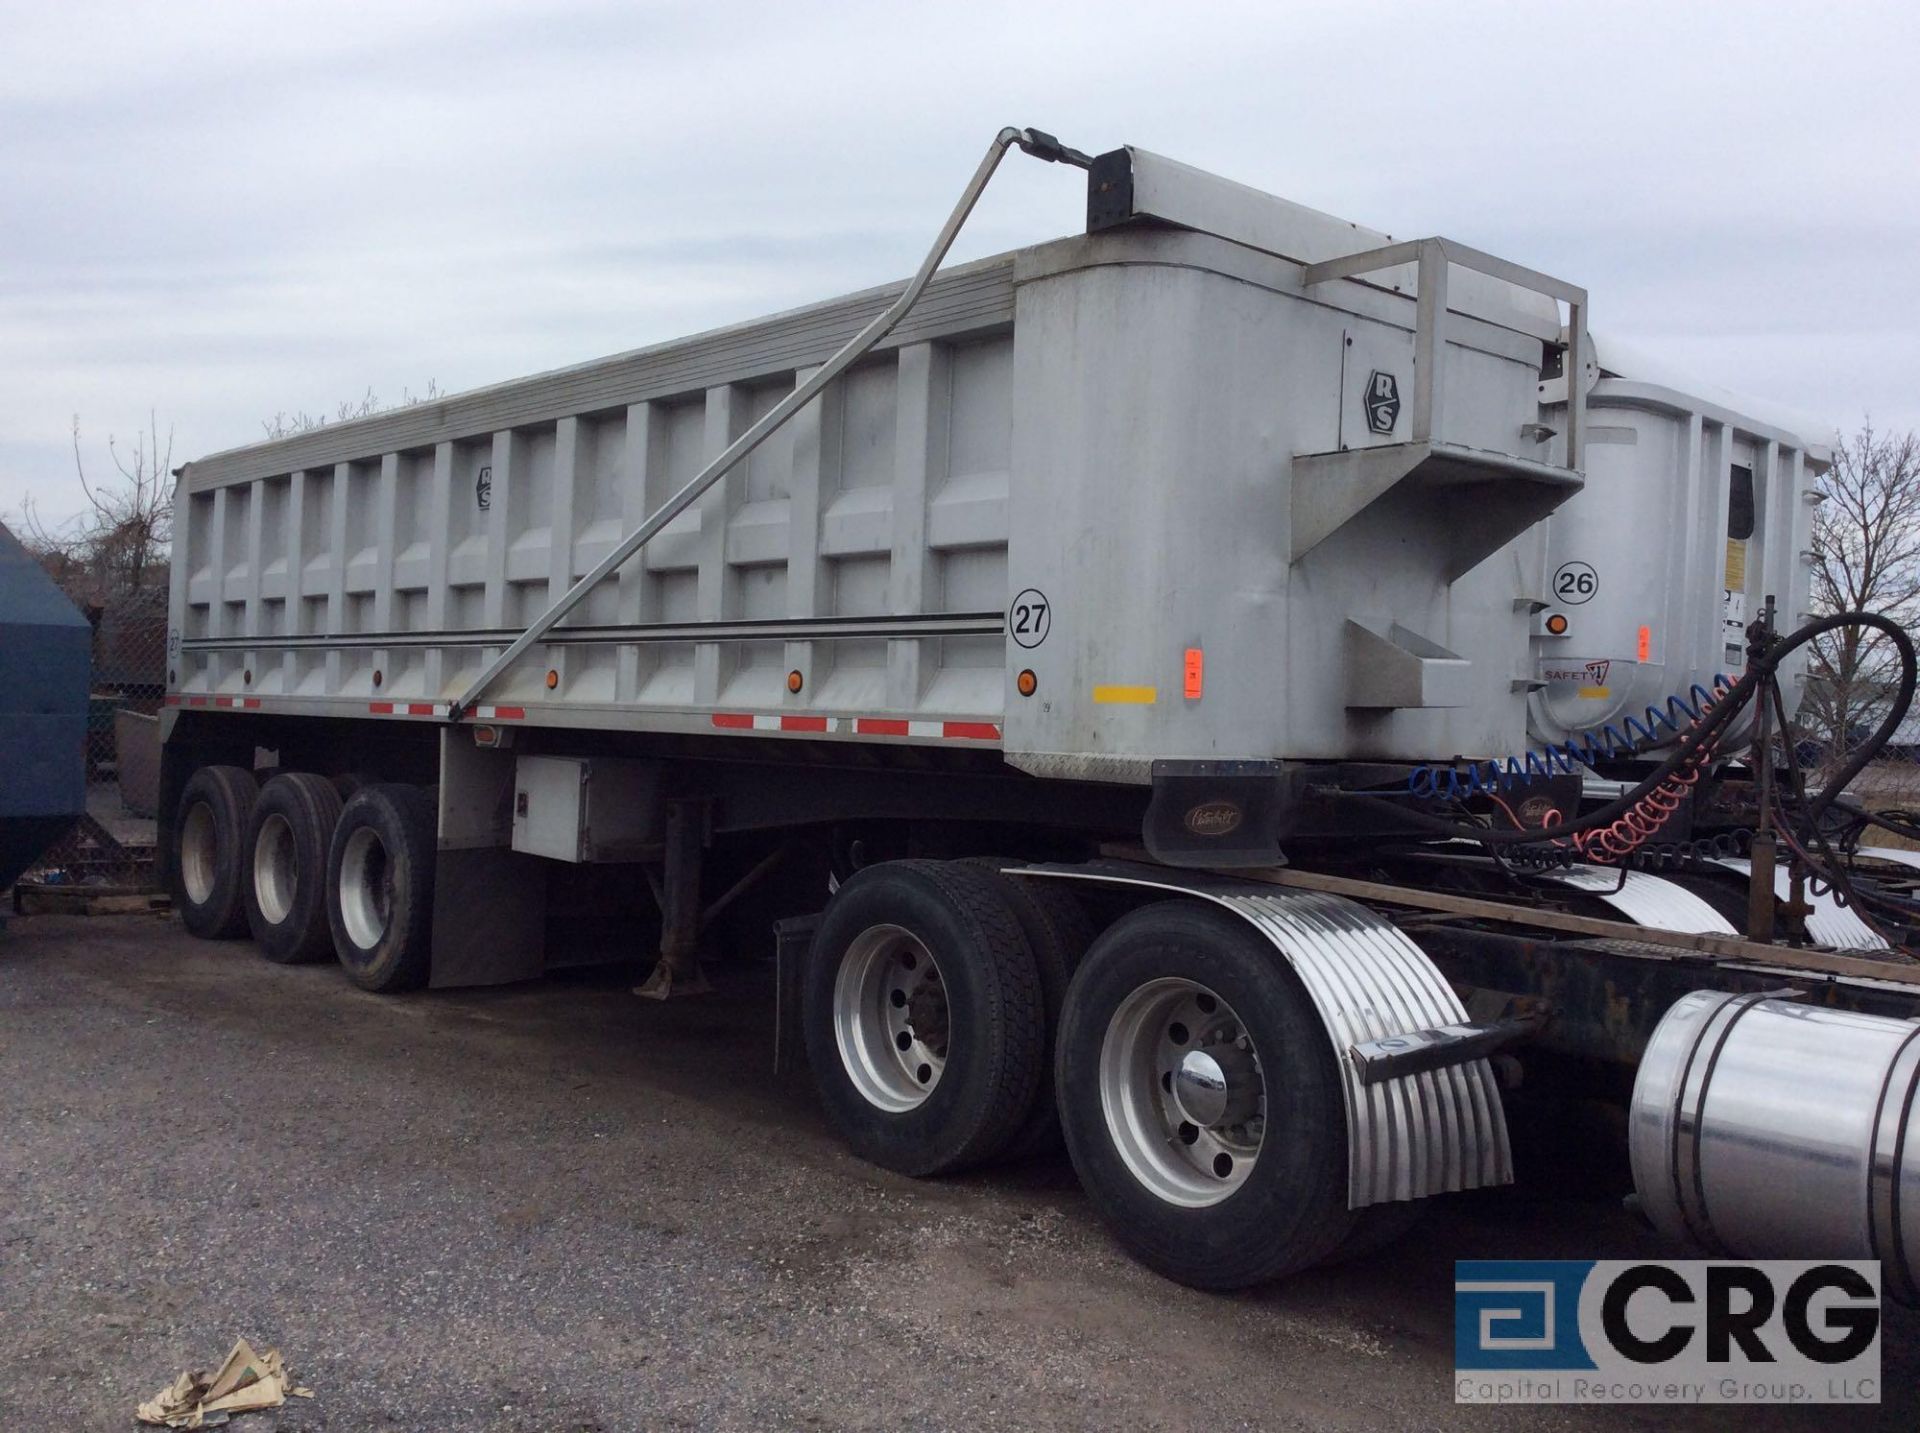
{"x": 1566, "y": 758}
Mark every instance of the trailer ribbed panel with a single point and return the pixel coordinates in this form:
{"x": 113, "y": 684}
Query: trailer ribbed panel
{"x": 976, "y": 298}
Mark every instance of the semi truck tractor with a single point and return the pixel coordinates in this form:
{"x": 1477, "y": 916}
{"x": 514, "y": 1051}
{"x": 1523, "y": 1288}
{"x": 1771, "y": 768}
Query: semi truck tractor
{"x": 1237, "y": 693}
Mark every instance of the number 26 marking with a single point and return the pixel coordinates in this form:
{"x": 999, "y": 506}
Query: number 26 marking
{"x": 1575, "y": 582}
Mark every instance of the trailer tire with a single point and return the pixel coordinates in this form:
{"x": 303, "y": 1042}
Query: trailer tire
{"x": 288, "y": 840}
{"x": 926, "y": 958}
{"x": 1250, "y": 1183}
{"x": 1058, "y": 932}
{"x": 211, "y": 851}
{"x": 380, "y": 887}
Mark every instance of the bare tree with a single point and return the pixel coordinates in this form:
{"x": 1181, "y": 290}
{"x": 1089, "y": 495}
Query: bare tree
{"x": 122, "y": 539}
{"x": 1866, "y": 556}
{"x": 288, "y": 425}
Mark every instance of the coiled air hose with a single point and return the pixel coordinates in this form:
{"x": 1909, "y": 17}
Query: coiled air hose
{"x": 1695, "y": 746}
{"x": 1566, "y": 758}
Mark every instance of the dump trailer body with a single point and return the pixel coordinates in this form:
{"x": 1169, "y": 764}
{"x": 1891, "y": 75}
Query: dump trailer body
{"x": 1698, "y": 507}
{"x": 1202, "y": 497}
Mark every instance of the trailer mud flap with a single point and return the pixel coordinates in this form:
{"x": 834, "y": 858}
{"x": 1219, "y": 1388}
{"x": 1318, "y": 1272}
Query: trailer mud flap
{"x": 1429, "y": 1131}
{"x": 489, "y": 918}
{"x": 1220, "y": 813}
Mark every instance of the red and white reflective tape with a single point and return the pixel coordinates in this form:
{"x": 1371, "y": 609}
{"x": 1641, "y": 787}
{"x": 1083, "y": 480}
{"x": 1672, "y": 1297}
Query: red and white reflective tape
{"x": 724, "y": 721}
{"x": 175, "y": 699}
{"x": 440, "y": 709}
{"x": 859, "y": 726}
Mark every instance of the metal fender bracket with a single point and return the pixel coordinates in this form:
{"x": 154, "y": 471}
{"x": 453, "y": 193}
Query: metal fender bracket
{"x": 1394, "y": 1056}
{"x": 1424, "y": 1122}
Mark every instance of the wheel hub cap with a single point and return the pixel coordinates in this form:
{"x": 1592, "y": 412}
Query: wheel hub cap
{"x": 1216, "y": 1086}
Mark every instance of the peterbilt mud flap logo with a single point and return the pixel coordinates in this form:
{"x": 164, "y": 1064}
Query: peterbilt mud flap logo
{"x": 1214, "y": 818}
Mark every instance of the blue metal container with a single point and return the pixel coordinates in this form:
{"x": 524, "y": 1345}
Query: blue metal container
{"x": 45, "y": 651}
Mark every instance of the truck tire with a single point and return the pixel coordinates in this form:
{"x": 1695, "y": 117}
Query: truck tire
{"x": 924, "y": 1016}
{"x": 1201, "y": 1100}
{"x": 1058, "y": 932}
{"x": 286, "y": 888}
{"x": 210, "y": 834}
{"x": 380, "y": 887}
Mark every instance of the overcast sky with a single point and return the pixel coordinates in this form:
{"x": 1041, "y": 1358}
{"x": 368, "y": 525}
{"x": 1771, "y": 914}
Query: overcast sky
{"x": 224, "y": 211}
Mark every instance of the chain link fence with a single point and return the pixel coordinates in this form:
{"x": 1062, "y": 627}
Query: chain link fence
{"x": 112, "y": 844}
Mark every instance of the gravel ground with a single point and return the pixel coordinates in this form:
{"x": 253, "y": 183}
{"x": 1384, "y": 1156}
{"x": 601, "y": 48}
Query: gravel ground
{"x": 559, "y": 1208}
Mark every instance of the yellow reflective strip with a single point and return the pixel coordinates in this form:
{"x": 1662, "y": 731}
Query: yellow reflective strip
{"x": 1126, "y": 696}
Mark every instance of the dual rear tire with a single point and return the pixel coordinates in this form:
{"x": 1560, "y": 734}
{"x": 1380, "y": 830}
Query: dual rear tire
{"x": 309, "y": 875}
{"x": 380, "y": 868}
{"x": 285, "y": 885}
{"x": 1199, "y": 1096}
{"x": 1201, "y": 1100}
{"x": 209, "y": 874}
{"x": 924, "y": 1014}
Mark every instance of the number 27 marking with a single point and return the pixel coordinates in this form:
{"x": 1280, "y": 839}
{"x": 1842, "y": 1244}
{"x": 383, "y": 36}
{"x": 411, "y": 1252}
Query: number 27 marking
{"x": 1029, "y": 618}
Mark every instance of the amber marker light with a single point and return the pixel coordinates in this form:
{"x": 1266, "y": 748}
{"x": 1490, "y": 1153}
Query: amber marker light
{"x": 795, "y": 681}
{"x": 553, "y": 678}
{"x": 1027, "y": 682}
{"x": 1557, "y": 624}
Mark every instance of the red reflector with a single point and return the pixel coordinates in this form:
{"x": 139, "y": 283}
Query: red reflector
{"x": 971, "y": 730}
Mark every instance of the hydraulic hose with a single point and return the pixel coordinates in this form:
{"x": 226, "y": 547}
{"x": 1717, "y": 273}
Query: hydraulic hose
{"x": 1760, "y": 670}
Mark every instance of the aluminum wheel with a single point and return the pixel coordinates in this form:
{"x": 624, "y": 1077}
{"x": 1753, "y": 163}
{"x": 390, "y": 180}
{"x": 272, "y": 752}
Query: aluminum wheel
{"x": 890, "y": 1018}
{"x": 1182, "y": 1091}
{"x": 366, "y": 888}
{"x": 197, "y": 850}
{"x": 276, "y": 869}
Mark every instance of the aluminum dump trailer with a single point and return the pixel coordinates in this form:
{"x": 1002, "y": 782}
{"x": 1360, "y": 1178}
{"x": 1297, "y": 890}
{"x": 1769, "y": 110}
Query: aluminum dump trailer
{"x": 1240, "y": 540}
{"x": 1698, "y": 506}
{"x": 1086, "y": 672}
